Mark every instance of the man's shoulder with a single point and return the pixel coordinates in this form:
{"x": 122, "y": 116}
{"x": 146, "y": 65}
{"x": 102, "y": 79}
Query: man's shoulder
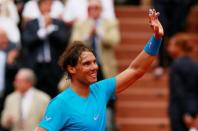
{"x": 60, "y": 100}
{"x": 179, "y": 62}
{"x": 64, "y": 95}
{"x": 12, "y": 96}
{"x": 183, "y": 61}
{"x": 40, "y": 94}
{"x": 104, "y": 82}
{"x": 185, "y": 64}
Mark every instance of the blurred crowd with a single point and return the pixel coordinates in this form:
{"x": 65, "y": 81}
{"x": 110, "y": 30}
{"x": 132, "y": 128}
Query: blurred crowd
{"x": 33, "y": 34}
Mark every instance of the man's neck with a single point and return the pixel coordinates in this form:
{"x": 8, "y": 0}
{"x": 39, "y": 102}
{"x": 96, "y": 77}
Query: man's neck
{"x": 94, "y": 19}
{"x": 80, "y": 88}
{"x": 25, "y": 92}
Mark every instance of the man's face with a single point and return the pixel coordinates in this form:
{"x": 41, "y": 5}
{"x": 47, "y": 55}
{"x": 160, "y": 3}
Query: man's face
{"x": 86, "y": 68}
{"x": 94, "y": 9}
{"x": 21, "y": 83}
{"x": 45, "y": 6}
{"x": 173, "y": 49}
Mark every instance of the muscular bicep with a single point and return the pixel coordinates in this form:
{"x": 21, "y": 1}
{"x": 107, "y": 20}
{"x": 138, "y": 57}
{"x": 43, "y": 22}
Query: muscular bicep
{"x": 136, "y": 69}
{"x": 125, "y": 79}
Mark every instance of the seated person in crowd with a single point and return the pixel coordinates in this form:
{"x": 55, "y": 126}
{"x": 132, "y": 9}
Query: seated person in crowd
{"x": 24, "y": 107}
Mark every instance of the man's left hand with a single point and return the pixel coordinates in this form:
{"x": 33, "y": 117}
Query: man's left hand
{"x": 155, "y": 23}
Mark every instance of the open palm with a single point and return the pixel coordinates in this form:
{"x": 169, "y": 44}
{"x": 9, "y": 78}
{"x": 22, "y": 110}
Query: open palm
{"x": 155, "y": 23}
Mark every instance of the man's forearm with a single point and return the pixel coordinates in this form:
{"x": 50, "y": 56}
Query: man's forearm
{"x": 138, "y": 66}
{"x": 142, "y": 62}
{"x": 147, "y": 56}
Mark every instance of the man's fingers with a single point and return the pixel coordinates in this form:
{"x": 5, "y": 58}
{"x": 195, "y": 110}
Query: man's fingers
{"x": 153, "y": 13}
{"x": 150, "y": 12}
{"x": 157, "y": 14}
{"x": 153, "y": 21}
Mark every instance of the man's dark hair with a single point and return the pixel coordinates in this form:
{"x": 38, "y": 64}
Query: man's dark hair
{"x": 71, "y": 55}
{"x": 183, "y": 41}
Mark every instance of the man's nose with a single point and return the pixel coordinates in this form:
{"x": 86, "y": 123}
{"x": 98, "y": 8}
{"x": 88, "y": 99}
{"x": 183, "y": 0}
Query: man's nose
{"x": 95, "y": 66}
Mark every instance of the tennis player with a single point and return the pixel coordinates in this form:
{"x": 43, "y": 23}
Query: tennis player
{"x": 82, "y": 106}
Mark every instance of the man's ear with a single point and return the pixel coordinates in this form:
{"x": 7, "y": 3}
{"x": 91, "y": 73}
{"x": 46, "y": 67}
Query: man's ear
{"x": 71, "y": 69}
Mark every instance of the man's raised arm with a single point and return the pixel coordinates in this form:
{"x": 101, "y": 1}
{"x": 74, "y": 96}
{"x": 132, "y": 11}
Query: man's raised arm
{"x": 144, "y": 60}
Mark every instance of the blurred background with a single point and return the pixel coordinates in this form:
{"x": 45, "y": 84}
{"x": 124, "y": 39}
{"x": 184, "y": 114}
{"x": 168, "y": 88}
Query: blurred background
{"x": 33, "y": 34}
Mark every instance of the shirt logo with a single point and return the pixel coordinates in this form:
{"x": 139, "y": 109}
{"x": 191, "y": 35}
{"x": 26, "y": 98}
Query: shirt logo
{"x": 48, "y": 118}
{"x": 96, "y": 117}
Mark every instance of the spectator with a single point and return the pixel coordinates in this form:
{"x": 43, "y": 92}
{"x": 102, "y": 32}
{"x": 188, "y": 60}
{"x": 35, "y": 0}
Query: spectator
{"x": 44, "y": 39}
{"x": 77, "y": 10}
{"x": 24, "y": 108}
{"x": 102, "y": 35}
{"x": 183, "y": 84}
{"x": 9, "y": 10}
{"x": 8, "y": 55}
{"x": 32, "y": 11}
{"x": 11, "y": 29}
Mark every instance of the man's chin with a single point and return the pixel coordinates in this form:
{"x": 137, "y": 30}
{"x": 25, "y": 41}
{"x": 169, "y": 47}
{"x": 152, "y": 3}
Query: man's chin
{"x": 93, "y": 81}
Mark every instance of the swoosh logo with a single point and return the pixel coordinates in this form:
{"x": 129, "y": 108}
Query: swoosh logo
{"x": 96, "y": 117}
{"x": 48, "y": 118}
{"x": 150, "y": 45}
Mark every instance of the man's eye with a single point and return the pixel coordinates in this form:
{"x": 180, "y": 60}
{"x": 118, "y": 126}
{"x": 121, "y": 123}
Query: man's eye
{"x": 86, "y": 63}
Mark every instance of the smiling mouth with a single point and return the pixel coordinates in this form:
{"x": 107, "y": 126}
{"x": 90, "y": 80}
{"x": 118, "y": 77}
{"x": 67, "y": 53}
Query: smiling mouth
{"x": 94, "y": 75}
